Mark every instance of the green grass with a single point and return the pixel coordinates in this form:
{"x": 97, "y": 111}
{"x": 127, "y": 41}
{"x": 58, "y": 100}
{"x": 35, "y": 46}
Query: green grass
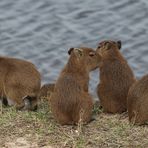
{"x": 39, "y": 129}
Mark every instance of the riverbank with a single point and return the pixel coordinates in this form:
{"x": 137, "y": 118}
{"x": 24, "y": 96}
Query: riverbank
{"x": 38, "y": 129}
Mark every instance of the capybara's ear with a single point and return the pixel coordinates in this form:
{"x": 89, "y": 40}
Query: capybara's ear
{"x": 78, "y": 52}
{"x": 119, "y": 43}
{"x": 70, "y": 50}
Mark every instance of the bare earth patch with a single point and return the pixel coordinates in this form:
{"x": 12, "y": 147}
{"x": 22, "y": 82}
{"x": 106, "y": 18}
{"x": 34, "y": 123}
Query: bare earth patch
{"x": 39, "y": 130}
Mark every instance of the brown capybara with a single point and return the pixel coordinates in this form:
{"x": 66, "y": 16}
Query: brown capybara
{"x": 19, "y": 83}
{"x": 116, "y": 77}
{"x": 46, "y": 91}
{"x": 137, "y": 102}
{"x": 70, "y": 101}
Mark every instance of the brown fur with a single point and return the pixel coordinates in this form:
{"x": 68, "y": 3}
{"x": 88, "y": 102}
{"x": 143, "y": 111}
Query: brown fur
{"x": 46, "y": 91}
{"x": 137, "y": 102}
{"x": 116, "y": 77}
{"x": 19, "y": 83}
{"x": 70, "y": 101}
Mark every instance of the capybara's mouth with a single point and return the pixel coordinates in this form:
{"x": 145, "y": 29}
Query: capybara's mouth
{"x": 95, "y": 67}
{"x": 100, "y": 51}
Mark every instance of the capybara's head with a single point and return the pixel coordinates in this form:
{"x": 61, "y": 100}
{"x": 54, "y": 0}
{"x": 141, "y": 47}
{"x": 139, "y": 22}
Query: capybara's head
{"x": 86, "y": 57}
{"x": 108, "y": 48}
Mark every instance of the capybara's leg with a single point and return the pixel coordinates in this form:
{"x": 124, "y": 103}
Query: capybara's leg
{"x": 87, "y": 114}
{"x": 108, "y": 103}
{"x": 135, "y": 117}
{"x": 15, "y": 97}
{"x": 85, "y": 111}
{"x": 63, "y": 119}
{"x": 5, "y": 101}
{"x": 142, "y": 114}
{"x": 30, "y": 103}
{"x": 143, "y": 111}
{"x": 34, "y": 103}
{"x": 130, "y": 109}
{"x": 131, "y": 116}
{"x": 102, "y": 98}
{"x": 27, "y": 103}
{"x": 133, "y": 109}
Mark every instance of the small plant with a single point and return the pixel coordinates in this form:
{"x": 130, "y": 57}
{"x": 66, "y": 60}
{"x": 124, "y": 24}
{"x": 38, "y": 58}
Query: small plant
{"x": 97, "y": 110}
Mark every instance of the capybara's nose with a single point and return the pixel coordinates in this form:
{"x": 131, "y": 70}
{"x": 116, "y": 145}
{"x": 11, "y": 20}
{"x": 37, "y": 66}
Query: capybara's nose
{"x": 99, "y": 53}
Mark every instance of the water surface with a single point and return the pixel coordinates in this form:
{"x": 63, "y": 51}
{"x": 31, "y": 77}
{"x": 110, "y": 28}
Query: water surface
{"x": 43, "y": 31}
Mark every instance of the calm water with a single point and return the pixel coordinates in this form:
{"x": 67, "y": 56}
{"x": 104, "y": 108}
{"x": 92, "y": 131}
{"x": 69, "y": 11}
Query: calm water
{"x": 42, "y": 31}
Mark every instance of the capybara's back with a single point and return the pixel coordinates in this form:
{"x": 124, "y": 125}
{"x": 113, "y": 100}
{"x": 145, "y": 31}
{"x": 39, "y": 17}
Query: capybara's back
{"x": 70, "y": 101}
{"x": 116, "y": 77}
{"x": 137, "y": 101}
{"x": 19, "y": 83}
{"x": 46, "y": 91}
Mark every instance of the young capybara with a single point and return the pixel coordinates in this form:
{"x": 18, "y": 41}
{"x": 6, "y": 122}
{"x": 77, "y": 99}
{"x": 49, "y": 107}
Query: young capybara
{"x": 70, "y": 101}
{"x": 137, "y": 102}
{"x": 116, "y": 77}
{"x": 46, "y": 91}
{"x": 19, "y": 83}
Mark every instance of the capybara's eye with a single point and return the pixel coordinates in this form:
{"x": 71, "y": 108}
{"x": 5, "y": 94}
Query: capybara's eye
{"x": 91, "y": 54}
{"x": 99, "y": 46}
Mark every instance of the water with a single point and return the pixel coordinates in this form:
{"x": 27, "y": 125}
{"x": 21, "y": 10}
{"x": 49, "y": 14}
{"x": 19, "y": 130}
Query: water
{"x": 43, "y": 31}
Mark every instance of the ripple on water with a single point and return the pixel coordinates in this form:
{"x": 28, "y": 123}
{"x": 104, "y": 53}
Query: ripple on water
{"x": 43, "y": 31}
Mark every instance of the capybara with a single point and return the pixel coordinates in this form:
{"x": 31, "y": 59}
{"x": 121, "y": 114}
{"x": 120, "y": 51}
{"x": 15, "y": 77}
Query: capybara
{"x": 19, "y": 83}
{"x": 116, "y": 77}
{"x": 46, "y": 91}
{"x": 70, "y": 101}
{"x": 137, "y": 102}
